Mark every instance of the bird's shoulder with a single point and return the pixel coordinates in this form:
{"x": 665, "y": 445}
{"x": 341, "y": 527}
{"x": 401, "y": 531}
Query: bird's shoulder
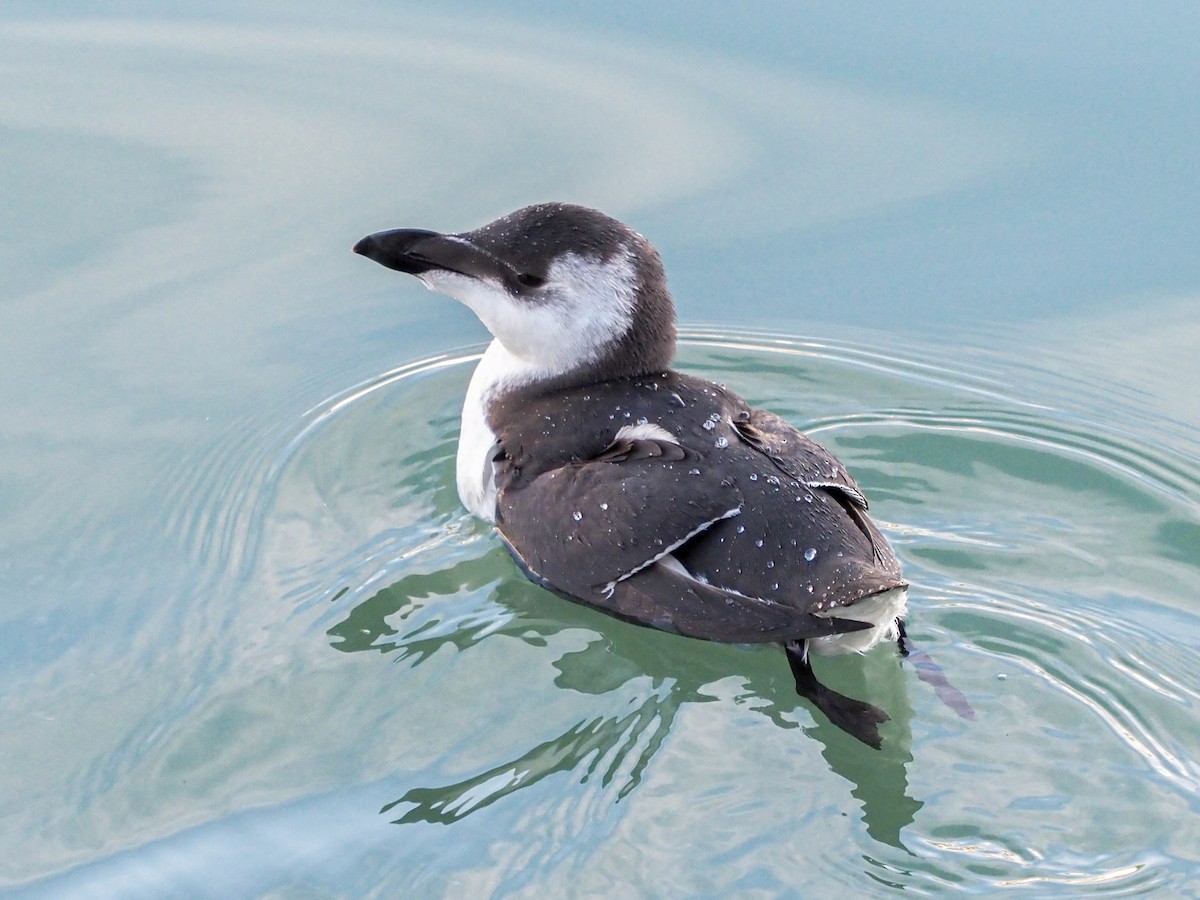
{"x": 537, "y": 432}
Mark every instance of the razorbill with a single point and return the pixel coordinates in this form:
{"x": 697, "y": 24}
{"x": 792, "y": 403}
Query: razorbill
{"x": 615, "y": 481}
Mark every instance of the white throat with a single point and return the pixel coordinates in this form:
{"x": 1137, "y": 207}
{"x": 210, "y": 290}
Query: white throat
{"x": 583, "y": 306}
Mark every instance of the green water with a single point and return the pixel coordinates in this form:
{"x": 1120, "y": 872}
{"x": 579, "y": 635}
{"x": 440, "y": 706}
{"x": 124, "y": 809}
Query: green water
{"x": 254, "y": 646}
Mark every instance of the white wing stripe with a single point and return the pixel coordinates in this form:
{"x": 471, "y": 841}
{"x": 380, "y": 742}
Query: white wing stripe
{"x": 608, "y": 588}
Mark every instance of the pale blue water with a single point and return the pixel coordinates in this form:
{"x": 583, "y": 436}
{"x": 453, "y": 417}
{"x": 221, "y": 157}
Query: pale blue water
{"x": 254, "y": 647}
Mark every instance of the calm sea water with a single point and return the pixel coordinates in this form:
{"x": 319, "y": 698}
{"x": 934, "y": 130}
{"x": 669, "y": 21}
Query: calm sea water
{"x": 254, "y": 647}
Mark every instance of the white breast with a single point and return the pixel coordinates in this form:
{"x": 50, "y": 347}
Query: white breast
{"x": 497, "y": 370}
{"x": 476, "y": 487}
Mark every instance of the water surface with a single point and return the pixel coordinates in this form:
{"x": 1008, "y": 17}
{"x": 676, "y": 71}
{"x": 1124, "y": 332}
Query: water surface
{"x": 254, "y": 645}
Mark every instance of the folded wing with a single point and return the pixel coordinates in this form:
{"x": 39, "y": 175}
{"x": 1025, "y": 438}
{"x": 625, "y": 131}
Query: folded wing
{"x": 611, "y": 541}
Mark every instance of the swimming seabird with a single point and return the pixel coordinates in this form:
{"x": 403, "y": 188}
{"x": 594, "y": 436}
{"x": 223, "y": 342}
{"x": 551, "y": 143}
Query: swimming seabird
{"x": 615, "y": 481}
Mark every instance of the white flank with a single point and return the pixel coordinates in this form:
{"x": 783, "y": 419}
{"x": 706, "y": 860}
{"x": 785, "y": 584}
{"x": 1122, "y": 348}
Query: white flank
{"x": 881, "y": 610}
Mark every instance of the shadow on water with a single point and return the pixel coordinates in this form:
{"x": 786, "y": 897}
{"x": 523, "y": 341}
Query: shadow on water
{"x": 616, "y": 749}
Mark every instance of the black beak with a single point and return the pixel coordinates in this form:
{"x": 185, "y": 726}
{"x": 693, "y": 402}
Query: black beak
{"x": 415, "y": 251}
{"x": 404, "y": 249}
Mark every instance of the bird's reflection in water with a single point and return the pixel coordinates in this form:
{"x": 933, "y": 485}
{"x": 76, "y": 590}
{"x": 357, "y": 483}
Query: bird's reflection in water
{"x": 617, "y": 748}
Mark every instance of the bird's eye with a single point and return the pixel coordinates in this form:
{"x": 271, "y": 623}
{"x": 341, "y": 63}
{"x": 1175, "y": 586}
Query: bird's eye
{"x": 530, "y": 281}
